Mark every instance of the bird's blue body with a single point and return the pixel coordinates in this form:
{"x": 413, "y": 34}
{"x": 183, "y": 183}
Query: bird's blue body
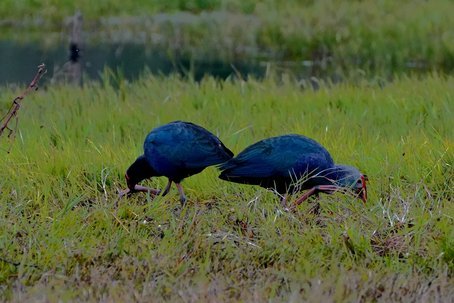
{"x": 180, "y": 149}
{"x": 287, "y": 164}
{"x": 175, "y": 150}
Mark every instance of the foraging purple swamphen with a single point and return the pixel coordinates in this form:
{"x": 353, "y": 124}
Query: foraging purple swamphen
{"x": 175, "y": 150}
{"x": 291, "y": 163}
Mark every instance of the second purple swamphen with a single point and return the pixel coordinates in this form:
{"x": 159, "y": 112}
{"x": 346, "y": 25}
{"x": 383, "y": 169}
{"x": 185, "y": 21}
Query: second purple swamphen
{"x": 291, "y": 163}
{"x": 175, "y": 150}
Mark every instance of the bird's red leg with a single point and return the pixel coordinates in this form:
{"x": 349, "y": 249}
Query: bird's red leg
{"x": 166, "y": 190}
{"x": 329, "y": 189}
{"x": 181, "y": 191}
{"x": 304, "y": 197}
{"x": 145, "y": 189}
{"x": 140, "y": 188}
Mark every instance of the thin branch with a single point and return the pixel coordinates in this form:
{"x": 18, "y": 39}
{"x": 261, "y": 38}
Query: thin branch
{"x": 15, "y": 106}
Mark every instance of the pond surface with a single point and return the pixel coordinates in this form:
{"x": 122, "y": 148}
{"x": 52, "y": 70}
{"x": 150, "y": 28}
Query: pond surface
{"x": 19, "y": 61}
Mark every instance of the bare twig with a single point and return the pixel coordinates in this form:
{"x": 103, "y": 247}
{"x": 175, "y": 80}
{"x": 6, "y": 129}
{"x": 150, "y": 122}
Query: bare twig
{"x": 15, "y": 106}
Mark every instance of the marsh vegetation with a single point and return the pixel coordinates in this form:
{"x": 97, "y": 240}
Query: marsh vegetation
{"x": 63, "y": 239}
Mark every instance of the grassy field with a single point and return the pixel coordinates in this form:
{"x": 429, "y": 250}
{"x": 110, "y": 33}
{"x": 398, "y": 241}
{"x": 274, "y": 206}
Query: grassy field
{"x": 62, "y": 239}
{"x": 372, "y": 35}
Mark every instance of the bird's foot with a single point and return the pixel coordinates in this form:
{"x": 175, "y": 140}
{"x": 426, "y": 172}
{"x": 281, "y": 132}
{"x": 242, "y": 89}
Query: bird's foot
{"x": 183, "y": 200}
{"x": 124, "y": 192}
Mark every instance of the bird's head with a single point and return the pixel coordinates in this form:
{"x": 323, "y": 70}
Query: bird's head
{"x": 349, "y": 177}
{"x": 138, "y": 171}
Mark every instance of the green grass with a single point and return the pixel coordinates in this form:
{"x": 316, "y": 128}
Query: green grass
{"x": 371, "y": 35}
{"x": 61, "y": 238}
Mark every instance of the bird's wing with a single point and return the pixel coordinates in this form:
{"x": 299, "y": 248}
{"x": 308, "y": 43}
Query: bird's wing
{"x": 258, "y": 160}
{"x": 187, "y": 145}
{"x": 279, "y": 156}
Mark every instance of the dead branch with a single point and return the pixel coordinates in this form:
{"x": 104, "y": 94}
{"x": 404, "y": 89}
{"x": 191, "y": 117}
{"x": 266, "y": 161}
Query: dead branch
{"x": 71, "y": 71}
{"x": 15, "y": 106}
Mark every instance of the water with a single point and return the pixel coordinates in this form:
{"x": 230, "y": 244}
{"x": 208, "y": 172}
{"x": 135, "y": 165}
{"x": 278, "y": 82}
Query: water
{"x": 19, "y": 62}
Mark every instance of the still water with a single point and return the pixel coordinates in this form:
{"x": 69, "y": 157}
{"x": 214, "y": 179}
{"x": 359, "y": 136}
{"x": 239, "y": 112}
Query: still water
{"x": 18, "y": 62}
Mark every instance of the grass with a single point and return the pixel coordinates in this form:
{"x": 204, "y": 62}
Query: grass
{"x": 370, "y": 35}
{"x": 62, "y": 239}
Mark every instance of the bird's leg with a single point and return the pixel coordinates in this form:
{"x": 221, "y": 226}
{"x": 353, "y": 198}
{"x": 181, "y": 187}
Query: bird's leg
{"x": 284, "y": 201}
{"x": 315, "y": 190}
{"x": 182, "y": 195}
{"x": 138, "y": 188}
{"x": 166, "y": 190}
{"x": 304, "y": 197}
{"x": 145, "y": 189}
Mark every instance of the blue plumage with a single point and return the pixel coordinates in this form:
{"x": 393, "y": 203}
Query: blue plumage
{"x": 180, "y": 149}
{"x": 176, "y": 150}
{"x": 291, "y": 163}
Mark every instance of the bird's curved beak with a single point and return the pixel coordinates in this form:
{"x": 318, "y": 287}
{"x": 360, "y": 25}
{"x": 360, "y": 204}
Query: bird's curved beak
{"x": 129, "y": 182}
{"x": 362, "y": 191}
{"x": 129, "y": 189}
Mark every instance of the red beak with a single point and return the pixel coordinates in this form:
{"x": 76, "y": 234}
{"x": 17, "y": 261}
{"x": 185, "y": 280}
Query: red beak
{"x": 128, "y": 182}
{"x": 363, "y": 190}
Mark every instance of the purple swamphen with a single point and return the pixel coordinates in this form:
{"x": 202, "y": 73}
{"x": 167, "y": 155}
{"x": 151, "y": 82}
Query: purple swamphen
{"x": 175, "y": 150}
{"x": 291, "y": 163}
